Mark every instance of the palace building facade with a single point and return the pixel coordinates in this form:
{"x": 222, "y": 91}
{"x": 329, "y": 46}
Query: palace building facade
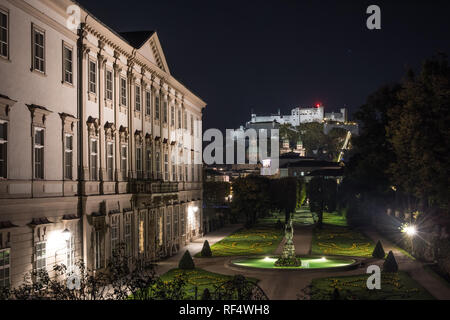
{"x": 99, "y": 144}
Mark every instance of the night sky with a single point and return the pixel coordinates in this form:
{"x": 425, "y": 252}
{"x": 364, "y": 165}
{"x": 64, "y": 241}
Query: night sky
{"x": 270, "y": 55}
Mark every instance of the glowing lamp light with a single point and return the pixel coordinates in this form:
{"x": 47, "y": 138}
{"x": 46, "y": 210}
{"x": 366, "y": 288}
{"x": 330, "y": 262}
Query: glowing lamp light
{"x": 66, "y": 234}
{"x": 318, "y": 105}
{"x": 410, "y": 230}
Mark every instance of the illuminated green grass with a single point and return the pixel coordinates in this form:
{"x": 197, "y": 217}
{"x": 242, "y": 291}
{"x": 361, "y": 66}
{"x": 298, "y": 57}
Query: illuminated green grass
{"x": 394, "y": 286}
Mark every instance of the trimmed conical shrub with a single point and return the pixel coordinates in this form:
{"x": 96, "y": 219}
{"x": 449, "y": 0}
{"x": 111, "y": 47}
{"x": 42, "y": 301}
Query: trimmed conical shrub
{"x": 206, "y": 295}
{"x": 206, "y": 250}
{"x": 378, "y": 252}
{"x": 390, "y": 265}
{"x": 186, "y": 262}
{"x": 336, "y": 294}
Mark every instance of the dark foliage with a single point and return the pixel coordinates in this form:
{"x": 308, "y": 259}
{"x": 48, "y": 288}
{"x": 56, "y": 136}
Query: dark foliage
{"x": 390, "y": 265}
{"x": 186, "y": 262}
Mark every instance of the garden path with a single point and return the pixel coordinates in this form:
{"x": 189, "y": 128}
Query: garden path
{"x": 415, "y": 268}
{"x": 195, "y": 246}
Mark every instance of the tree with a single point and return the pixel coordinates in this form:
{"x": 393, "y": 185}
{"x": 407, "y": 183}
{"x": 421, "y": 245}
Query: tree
{"x": 283, "y": 195}
{"x": 251, "y": 198}
{"x": 330, "y": 194}
{"x": 420, "y": 135}
{"x": 215, "y": 192}
{"x": 206, "y": 250}
{"x": 301, "y": 193}
{"x": 316, "y": 197}
{"x": 378, "y": 252}
{"x": 390, "y": 265}
{"x": 335, "y": 141}
{"x": 313, "y": 138}
{"x": 186, "y": 262}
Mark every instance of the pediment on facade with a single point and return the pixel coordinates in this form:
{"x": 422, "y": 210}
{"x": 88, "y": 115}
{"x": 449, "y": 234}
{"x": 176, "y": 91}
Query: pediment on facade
{"x": 153, "y": 51}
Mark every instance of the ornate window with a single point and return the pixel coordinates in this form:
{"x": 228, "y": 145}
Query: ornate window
{"x": 70, "y": 254}
{"x": 157, "y": 106}
{"x": 172, "y": 115}
{"x": 179, "y": 118}
{"x": 68, "y": 124}
{"x": 138, "y": 98}
{"x": 165, "y": 111}
{"x": 68, "y": 157}
{"x": 92, "y": 76}
{"x": 169, "y": 225}
{"x": 39, "y": 153}
{"x": 139, "y": 166}
{"x": 148, "y": 103}
{"x": 148, "y": 155}
{"x": 123, "y": 91}
{"x": 124, "y": 152}
{"x": 158, "y": 165}
{"x": 109, "y": 137}
{"x": 174, "y": 167}
{"x": 109, "y": 85}
{"x": 166, "y": 166}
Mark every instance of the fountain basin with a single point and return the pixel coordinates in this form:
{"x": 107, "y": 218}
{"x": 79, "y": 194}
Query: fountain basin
{"x": 308, "y": 263}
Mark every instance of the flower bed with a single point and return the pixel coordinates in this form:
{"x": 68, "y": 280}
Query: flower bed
{"x": 394, "y": 286}
{"x": 258, "y": 240}
{"x": 331, "y": 240}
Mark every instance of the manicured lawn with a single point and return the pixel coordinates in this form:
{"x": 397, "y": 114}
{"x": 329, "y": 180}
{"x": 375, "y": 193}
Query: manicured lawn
{"x": 199, "y": 278}
{"x": 394, "y": 286}
{"x": 335, "y": 219}
{"x": 257, "y": 240}
{"x": 334, "y": 240}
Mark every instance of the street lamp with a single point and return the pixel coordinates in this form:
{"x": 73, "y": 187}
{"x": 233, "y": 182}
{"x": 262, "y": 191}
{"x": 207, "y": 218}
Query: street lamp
{"x": 410, "y": 230}
{"x": 66, "y": 234}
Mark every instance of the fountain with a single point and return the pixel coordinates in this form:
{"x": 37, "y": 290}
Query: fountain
{"x": 288, "y": 257}
{"x": 289, "y": 261}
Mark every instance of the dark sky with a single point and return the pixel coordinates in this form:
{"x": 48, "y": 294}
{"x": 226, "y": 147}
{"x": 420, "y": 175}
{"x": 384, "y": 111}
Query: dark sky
{"x": 270, "y": 55}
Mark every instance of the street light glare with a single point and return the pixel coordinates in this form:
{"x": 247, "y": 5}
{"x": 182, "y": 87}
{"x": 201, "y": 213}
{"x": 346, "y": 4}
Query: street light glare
{"x": 410, "y": 231}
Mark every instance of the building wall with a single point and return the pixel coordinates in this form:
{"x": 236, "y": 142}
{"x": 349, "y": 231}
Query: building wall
{"x": 150, "y": 203}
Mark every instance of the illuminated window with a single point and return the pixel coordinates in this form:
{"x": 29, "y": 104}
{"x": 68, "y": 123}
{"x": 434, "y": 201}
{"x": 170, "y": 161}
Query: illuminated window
{"x": 141, "y": 234}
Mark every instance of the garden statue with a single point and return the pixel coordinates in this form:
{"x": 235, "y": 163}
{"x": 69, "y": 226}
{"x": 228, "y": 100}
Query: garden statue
{"x": 288, "y": 258}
